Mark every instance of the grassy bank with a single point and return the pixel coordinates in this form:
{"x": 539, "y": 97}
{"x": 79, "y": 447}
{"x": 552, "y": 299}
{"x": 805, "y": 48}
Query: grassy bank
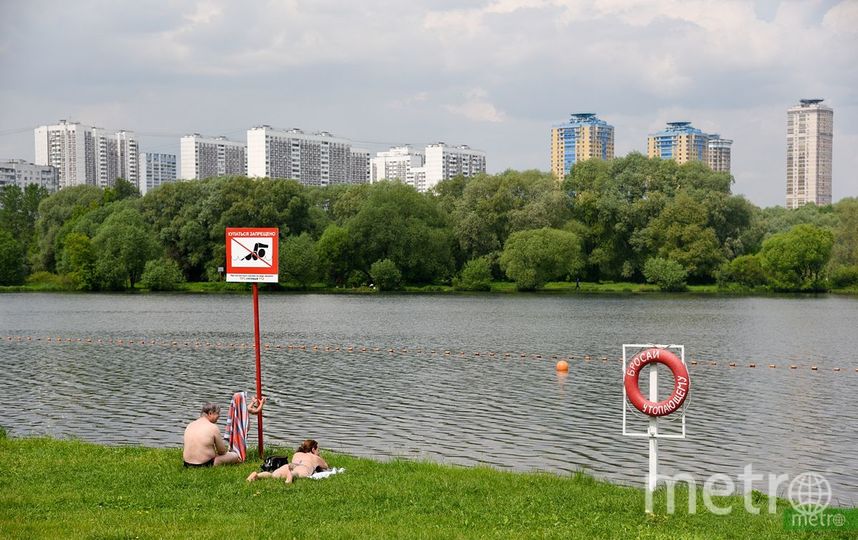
{"x": 70, "y": 489}
{"x": 45, "y": 282}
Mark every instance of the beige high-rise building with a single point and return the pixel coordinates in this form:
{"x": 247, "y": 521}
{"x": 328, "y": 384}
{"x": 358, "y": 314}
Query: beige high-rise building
{"x": 719, "y": 153}
{"x": 583, "y": 137}
{"x": 810, "y": 128}
{"x": 679, "y": 141}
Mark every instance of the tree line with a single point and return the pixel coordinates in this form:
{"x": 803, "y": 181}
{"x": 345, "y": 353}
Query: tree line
{"x": 629, "y": 219}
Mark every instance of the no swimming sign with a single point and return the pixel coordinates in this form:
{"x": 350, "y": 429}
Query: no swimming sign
{"x": 251, "y": 255}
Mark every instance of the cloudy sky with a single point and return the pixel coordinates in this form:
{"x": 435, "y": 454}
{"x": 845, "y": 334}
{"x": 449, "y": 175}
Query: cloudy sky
{"x": 494, "y": 74}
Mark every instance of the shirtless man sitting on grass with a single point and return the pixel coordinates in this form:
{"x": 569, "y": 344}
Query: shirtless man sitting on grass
{"x": 305, "y": 461}
{"x": 204, "y": 445}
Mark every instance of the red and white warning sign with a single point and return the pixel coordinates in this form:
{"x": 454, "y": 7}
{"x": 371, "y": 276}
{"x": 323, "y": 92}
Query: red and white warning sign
{"x": 251, "y": 255}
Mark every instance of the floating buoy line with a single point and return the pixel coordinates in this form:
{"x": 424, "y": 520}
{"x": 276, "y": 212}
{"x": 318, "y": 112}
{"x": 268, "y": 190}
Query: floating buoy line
{"x": 562, "y": 362}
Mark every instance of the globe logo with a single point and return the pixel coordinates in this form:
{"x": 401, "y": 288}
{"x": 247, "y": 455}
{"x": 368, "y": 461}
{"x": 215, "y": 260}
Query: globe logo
{"x": 809, "y": 493}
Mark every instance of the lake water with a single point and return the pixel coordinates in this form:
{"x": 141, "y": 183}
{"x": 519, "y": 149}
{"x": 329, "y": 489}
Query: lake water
{"x": 500, "y": 403}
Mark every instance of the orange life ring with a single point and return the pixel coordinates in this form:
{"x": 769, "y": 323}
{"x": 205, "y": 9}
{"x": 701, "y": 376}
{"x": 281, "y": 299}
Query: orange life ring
{"x": 681, "y": 382}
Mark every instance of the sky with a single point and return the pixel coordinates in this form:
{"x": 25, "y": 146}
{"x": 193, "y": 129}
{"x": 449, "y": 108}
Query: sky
{"x": 494, "y": 74}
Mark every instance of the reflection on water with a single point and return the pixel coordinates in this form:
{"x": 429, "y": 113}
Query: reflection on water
{"x": 463, "y": 410}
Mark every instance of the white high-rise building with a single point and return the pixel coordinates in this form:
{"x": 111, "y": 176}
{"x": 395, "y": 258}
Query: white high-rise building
{"x": 444, "y": 162}
{"x": 17, "y": 172}
{"x": 207, "y": 157}
{"x": 398, "y": 163}
{"x": 68, "y": 147}
{"x": 424, "y": 170}
{"x": 104, "y": 150}
{"x": 810, "y": 138}
{"x": 156, "y": 170}
{"x": 719, "y": 153}
{"x": 128, "y": 157}
{"x": 87, "y": 155}
{"x": 359, "y": 166}
{"x": 317, "y": 159}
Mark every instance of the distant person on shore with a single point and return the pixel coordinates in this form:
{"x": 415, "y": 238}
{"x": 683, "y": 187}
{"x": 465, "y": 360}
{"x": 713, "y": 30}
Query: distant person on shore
{"x": 305, "y": 462}
{"x": 203, "y": 444}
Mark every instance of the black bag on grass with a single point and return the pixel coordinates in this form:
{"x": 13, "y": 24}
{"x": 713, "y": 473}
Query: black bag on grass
{"x": 272, "y": 463}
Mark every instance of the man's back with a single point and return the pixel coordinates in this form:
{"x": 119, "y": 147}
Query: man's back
{"x": 201, "y": 437}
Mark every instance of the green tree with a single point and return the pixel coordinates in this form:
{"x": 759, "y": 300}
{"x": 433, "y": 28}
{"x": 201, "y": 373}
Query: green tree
{"x": 476, "y": 276}
{"x": 124, "y": 244}
{"x": 66, "y": 205}
{"x": 385, "y": 275}
{"x": 334, "y": 250}
{"x": 681, "y": 233}
{"x": 19, "y": 210}
{"x": 161, "y": 275}
{"x": 845, "y": 249}
{"x": 532, "y": 258}
{"x": 397, "y": 223}
{"x": 121, "y": 189}
{"x": 667, "y": 274}
{"x": 78, "y": 261}
{"x": 794, "y": 260}
{"x": 299, "y": 260}
{"x": 13, "y": 267}
{"x": 494, "y": 206}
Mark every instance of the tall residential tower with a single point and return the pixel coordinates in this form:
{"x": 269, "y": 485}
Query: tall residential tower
{"x": 719, "y": 153}
{"x": 681, "y": 142}
{"x": 87, "y": 155}
{"x": 810, "y": 128}
{"x": 206, "y": 157}
{"x": 584, "y": 136}
{"x": 317, "y": 159}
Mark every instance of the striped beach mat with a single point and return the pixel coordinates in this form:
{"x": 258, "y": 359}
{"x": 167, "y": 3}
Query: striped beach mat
{"x": 236, "y": 428}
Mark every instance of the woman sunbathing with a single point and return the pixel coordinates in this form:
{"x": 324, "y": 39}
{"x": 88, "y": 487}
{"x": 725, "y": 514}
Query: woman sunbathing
{"x": 305, "y": 462}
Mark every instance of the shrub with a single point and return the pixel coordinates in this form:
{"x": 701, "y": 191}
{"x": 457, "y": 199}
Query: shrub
{"x": 746, "y": 270}
{"x": 476, "y": 276}
{"x": 356, "y": 279}
{"x": 667, "y": 274}
{"x": 161, "y": 275}
{"x": 844, "y": 276}
{"x": 385, "y": 275}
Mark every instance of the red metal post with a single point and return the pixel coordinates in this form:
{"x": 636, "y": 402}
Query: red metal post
{"x": 258, "y": 362}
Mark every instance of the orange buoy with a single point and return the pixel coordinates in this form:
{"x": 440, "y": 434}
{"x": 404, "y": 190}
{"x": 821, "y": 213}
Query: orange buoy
{"x": 562, "y": 366}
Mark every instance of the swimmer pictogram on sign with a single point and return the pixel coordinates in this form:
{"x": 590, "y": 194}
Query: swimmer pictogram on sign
{"x": 251, "y": 255}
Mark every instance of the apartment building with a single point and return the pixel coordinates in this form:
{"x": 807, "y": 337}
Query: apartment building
{"x": 87, "y": 155}
{"x": 719, "y": 153}
{"x": 206, "y": 157}
{"x": 583, "y": 137}
{"x": 399, "y": 163}
{"x": 155, "y": 170}
{"x": 444, "y": 162}
{"x": 312, "y": 159}
{"x": 681, "y": 142}
{"x": 17, "y": 172}
{"x": 810, "y": 141}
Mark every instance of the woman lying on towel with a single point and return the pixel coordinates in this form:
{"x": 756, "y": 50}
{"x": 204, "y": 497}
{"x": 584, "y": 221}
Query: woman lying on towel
{"x": 305, "y": 462}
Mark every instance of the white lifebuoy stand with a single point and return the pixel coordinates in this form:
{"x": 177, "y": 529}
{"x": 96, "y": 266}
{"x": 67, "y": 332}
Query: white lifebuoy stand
{"x": 652, "y": 431}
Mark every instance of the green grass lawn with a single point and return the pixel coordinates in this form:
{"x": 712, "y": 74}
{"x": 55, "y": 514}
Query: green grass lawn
{"x": 69, "y": 489}
{"x": 52, "y": 283}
